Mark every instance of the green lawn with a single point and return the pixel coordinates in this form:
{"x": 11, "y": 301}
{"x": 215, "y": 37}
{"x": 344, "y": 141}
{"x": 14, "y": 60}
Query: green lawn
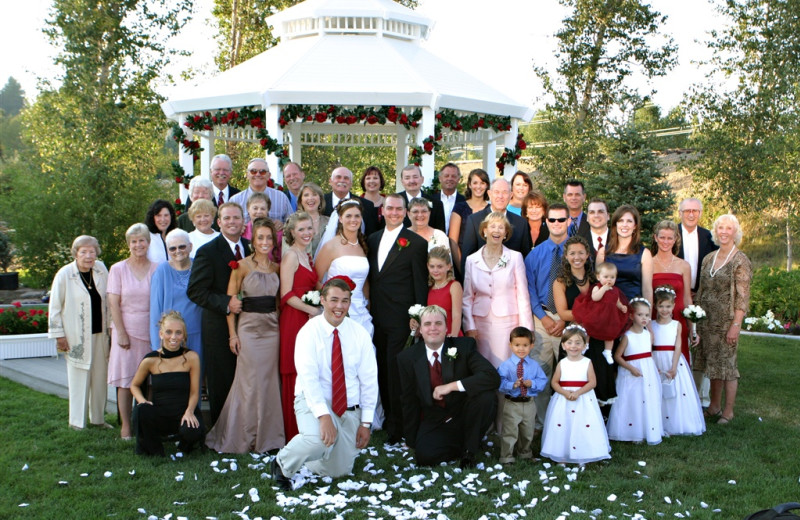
{"x": 66, "y": 470}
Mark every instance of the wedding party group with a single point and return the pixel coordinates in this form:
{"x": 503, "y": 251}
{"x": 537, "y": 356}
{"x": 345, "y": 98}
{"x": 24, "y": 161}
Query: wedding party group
{"x": 308, "y": 319}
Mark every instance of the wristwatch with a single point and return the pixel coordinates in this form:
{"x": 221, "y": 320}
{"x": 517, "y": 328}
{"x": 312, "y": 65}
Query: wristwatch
{"x": 366, "y": 425}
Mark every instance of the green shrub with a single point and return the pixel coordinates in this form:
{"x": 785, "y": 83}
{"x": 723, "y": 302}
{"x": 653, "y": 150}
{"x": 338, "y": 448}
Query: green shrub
{"x": 776, "y": 290}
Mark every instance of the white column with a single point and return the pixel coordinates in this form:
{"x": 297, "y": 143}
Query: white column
{"x": 427, "y": 129}
{"x": 207, "y": 143}
{"x": 272, "y": 114}
{"x": 510, "y": 141}
{"x": 295, "y": 146}
{"x": 187, "y": 163}
{"x": 402, "y": 154}
{"x": 490, "y": 155}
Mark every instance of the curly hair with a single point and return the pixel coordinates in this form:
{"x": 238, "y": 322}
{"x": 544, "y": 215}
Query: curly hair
{"x": 154, "y": 209}
{"x": 565, "y": 270}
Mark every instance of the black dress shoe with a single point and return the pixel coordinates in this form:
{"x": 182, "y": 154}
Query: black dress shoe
{"x": 394, "y": 440}
{"x": 284, "y": 483}
{"x": 467, "y": 461}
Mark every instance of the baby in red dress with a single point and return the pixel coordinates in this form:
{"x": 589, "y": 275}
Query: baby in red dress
{"x": 603, "y": 312}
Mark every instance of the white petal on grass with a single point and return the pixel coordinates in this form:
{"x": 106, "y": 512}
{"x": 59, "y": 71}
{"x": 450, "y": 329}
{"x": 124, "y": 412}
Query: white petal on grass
{"x": 703, "y": 505}
{"x": 142, "y": 510}
{"x": 612, "y": 497}
{"x": 732, "y": 482}
{"x": 25, "y": 467}
{"x": 84, "y": 474}
{"x": 642, "y": 463}
{"x": 62, "y": 483}
{"x": 107, "y": 474}
{"x": 667, "y": 500}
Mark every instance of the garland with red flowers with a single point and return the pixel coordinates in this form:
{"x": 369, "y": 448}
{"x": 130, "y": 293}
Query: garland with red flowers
{"x": 510, "y": 156}
{"x": 254, "y": 117}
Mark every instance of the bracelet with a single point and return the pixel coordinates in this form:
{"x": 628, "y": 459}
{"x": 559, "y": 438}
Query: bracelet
{"x": 736, "y": 324}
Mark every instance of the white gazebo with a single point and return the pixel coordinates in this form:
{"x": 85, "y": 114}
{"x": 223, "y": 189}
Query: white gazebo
{"x": 346, "y": 57}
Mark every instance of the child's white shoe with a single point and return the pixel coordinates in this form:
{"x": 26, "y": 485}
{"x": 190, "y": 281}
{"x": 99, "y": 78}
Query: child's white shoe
{"x": 607, "y": 355}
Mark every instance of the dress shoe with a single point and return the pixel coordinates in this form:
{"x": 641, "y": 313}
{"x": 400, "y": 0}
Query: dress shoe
{"x": 284, "y": 483}
{"x": 467, "y": 461}
{"x": 394, "y": 441}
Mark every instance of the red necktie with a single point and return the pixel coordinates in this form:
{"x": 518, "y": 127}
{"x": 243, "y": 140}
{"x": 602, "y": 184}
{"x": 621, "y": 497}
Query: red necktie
{"x": 436, "y": 377}
{"x": 338, "y": 385}
{"x": 599, "y": 242}
{"x": 238, "y": 252}
{"x": 523, "y": 391}
{"x": 220, "y": 200}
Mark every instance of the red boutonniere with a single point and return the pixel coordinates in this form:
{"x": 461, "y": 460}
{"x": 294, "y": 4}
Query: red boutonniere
{"x": 402, "y": 243}
{"x": 233, "y": 264}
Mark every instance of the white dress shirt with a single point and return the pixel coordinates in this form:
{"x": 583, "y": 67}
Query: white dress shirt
{"x": 312, "y": 359}
{"x": 448, "y": 201}
{"x": 691, "y": 249}
{"x": 225, "y": 194}
{"x": 429, "y": 351}
{"x": 387, "y": 242}
{"x": 596, "y": 236}
{"x": 233, "y": 245}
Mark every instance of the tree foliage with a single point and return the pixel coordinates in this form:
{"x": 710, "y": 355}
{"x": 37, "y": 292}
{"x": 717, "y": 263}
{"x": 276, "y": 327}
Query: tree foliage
{"x": 601, "y": 44}
{"x": 12, "y": 98}
{"x": 96, "y": 143}
{"x": 750, "y": 134}
{"x": 628, "y": 173}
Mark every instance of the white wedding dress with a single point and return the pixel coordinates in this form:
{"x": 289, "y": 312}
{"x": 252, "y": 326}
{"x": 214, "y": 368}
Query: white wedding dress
{"x": 357, "y": 269}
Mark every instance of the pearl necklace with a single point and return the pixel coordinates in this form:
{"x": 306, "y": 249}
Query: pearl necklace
{"x": 711, "y": 271}
{"x": 351, "y": 243}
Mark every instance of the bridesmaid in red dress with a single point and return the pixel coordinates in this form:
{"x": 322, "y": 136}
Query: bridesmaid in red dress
{"x": 670, "y": 270}
{"x": 297, "y": 278}
{"x": 444, "y": 290}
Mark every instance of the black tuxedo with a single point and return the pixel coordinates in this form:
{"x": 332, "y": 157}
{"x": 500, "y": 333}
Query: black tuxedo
{"x": 401, "y": 283}
{"x": 587, "y": 234}
{"x": 437, "y": 433}
{"x": 370, "y": 213}
{"x": 437, "y": 212}
{"x": 704, "y": 246}
{"x": 208, "y": 288}
{"x": 520, "y": 240}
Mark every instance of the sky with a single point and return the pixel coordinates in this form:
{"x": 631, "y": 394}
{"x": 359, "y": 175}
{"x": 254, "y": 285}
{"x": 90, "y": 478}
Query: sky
{"x": 480, "y": 40}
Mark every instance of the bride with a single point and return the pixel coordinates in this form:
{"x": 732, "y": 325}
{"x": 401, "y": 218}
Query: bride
{"x": 346, "y": 254}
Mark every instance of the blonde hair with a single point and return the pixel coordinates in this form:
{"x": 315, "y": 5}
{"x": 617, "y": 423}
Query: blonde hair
{"x": 730, "y": 218}
{"x": 441, "y": 253}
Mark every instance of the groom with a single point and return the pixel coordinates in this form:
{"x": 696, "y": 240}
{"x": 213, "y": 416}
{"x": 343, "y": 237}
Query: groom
{"x": 398, "y": 279}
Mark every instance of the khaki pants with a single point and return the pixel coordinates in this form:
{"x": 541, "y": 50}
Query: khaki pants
{"x": 518, "y": 424}
{"x": 307, "y": 448}
{"x": 88, "y": 389}
{"x": 545, "y": 352}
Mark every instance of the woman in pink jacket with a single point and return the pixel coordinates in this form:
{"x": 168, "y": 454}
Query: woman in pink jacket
{"x": 495, "y": 291}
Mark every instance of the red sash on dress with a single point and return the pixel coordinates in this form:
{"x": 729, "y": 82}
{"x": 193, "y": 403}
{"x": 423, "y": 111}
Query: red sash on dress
{"x": 664, "y": 347}
{"x": 579, "y": 384}
{"x": 637, "y": 356}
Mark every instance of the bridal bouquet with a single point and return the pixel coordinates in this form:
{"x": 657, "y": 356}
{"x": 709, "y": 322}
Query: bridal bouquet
{"x": 311, "y": 298}
{"x": 414, "y": 313}
{"x": 694, "y": 313}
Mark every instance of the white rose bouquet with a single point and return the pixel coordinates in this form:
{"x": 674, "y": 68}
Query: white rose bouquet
{"x": 311, "y": 298}
{"x": 414, "y": 313}
{"x": 694, "y": 313}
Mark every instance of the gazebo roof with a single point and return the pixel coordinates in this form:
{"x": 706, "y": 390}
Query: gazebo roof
{"x": 347, "y": 52}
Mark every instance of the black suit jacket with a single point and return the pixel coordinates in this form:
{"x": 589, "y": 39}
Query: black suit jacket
{"x": 520, "y": 240}
{"x": 391, "y": 291}
{"x": 208, "y": 287}
{"x": 416, "y": 394}
{"x": 583, "y": 227}
{"x": 704, "y": 246}
{"x": 587, "y": 234}
{"x": 370, "y": 213}
{"x": 437, "y": 212}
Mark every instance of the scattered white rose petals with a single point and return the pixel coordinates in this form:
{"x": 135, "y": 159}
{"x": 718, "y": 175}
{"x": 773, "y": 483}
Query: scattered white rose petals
{"x": 667, "y": 500}
{"x": 642, "y": 463}
{"x": 107, "y": 474}
{"x": 732, "y": 482}
{"x": 612, "y": 497}
{"x": 25, "y": 467}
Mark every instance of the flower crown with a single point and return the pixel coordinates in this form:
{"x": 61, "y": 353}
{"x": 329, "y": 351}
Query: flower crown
{"x": 346, "y": 279}
{"x": 665, "y": 289}
{"x": 575, "y": 326}
{"x": 639, "y": 299}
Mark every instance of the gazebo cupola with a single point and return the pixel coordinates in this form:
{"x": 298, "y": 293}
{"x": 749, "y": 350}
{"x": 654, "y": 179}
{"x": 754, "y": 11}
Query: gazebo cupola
{"x": 349, "y": 73}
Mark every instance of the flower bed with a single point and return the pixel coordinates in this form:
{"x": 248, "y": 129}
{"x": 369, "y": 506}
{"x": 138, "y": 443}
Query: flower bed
{"x": 768, "y": 323}
{"x": 18, "y": 346}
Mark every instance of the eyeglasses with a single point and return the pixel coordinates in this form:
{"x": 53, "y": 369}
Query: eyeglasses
{"x": 560, "y": 219}
{"x": 258, "y": 172}
{"x": 691, "y": 211}
{"x": 181, "y": 247}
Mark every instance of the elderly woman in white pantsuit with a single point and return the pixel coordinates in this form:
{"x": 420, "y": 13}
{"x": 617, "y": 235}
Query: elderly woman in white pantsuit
{"x": 79, "y": 323}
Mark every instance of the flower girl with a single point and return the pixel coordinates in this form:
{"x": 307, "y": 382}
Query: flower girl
{"x": 573, "y": 428}
{"x": 636, "y": 414}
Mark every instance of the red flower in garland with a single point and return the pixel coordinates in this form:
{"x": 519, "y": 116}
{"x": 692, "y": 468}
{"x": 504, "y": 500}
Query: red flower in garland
{"x": 233, "y": 264}
{"x": 402, "y": 243}
{"x": 17, "y": 304}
